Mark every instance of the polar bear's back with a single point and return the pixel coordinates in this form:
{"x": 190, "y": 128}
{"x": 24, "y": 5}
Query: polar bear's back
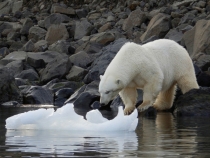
{"x": 160, "y": 56}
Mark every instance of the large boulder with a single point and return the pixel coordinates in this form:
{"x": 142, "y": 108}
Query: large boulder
{"x": 36, "y": 33}
{"x": 159, "y": 25}
{"x": 40, "y": 59}
{"x": 197, "y": 39}
{"x": 8, "y": 89}
{"x": 82, "y": 28}
{"x": 56, "y": 32}
{"x": 136, "y": 18}
{"x": 99, "y": 66}
{"x": 37, "y": 95}
{"x": 57, "y": 68}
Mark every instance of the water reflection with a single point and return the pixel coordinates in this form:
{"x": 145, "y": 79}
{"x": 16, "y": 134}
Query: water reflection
{"x": 66, "y": 143}
{"x": 161, "y": 137}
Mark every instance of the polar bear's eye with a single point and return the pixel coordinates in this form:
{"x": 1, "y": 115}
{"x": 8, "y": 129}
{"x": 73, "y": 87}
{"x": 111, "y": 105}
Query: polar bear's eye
{"x": 107, "y": 92}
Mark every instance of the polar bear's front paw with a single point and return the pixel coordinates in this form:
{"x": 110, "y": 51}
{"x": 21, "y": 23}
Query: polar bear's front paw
{"x": 128, "y": 110}
{"x": 143, "y": 108}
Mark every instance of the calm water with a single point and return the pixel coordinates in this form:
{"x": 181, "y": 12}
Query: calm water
{"x": 160, "y": 136}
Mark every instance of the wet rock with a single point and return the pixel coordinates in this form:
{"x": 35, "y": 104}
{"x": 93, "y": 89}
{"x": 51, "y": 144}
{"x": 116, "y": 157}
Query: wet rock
{"x": 197, "y": 40}
{"x": 37, "y": 95}
{"x": 159, "y": 25}
{"x": 194, "y": 103}
{"x": 56, "y": 32}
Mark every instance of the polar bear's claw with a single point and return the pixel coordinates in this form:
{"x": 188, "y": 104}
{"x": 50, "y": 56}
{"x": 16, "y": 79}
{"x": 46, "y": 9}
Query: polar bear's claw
{"x": 128, "y": 110}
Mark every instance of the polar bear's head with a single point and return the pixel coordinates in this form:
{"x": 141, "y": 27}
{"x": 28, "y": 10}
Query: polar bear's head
{"x": 109, "y": 87}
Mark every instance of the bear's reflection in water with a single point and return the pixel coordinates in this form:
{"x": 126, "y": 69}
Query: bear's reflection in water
{"x": 161, "y": 136}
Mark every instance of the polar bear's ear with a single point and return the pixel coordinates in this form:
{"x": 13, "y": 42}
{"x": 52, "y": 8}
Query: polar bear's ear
{"x": 101, "y": 77}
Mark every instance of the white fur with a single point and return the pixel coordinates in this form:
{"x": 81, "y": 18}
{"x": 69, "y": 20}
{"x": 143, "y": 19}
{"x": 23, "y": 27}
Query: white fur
{"x": 155, "y": 67}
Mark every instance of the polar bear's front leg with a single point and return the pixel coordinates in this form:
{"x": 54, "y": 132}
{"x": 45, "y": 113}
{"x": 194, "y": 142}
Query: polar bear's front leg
{"x": 150, "y": 94}
{"x": 129, "y": 98}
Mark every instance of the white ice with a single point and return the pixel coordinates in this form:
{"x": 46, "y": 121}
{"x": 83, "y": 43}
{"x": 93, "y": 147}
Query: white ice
{"x": 65, "y": 118}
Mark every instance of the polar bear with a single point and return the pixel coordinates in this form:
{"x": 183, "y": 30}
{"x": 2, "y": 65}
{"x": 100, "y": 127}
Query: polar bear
{"x": 156, "y": 68}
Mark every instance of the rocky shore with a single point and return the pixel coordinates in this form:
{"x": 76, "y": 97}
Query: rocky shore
{"x": 52, "y": 51}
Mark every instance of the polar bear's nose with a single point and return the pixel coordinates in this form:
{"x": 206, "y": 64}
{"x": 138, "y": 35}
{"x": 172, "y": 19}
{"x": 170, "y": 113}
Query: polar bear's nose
{"x": 103, "y": 104}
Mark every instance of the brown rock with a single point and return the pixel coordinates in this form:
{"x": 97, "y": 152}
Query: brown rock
{"x": 136, "y": 18}
{"x": 56, "y": 32}
{"x": 159, "y": 25}
{"x": 197, "y": 39}
{"x": 62, "y": 10}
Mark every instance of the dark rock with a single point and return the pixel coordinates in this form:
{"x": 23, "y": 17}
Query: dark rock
{"x": 64, "y": 93}
{"x": 80, "y": 59}
{"x": 55, "y": 18}
{"x": 96, "y": 105}
{"x": 56, "y": 84}
{"x": 57, "y": 68}
{"x": 40, "y": 46}
{"x": 41, "y": 59}
{"x": 203, "y": 62}
{"x": 3, "y": 52}
{"x": 8, "y": 89}
{"x": 174, "y": 35}
{"x": 76, "y": 94}
{"x": 98, "y": 67}
{"x": 16, "y": 67}
{"x": 29, "y": 46}
{"x": 59, "y": 102}
{"x": 194, "y": 103}
{"x": 81, "y": 13}
{"x": 28, "y": 23}
{"x": 29, "y": 74}
{"x": 159, "y": 25}
{"x": 36, "y": 33}
{"x": 37, "y": 95}
{"x": 203, "y": 79}
{"x": 61, "y": 46}
{"x": 76, "y": 74}
{"x": 82, "y": 28}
